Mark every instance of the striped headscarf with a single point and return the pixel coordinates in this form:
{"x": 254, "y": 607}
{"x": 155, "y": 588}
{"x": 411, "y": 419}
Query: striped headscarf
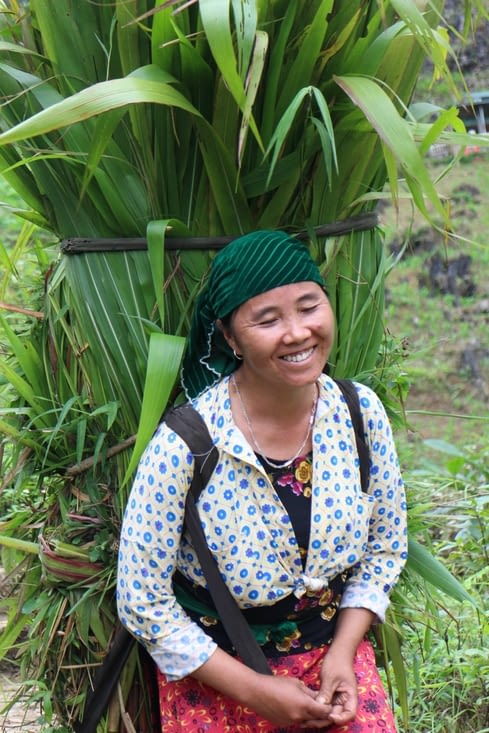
{"x": 248, "y": 266}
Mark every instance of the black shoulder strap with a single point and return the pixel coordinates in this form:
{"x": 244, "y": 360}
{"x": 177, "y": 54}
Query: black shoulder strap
{"x": 105, "y": 680}
{"x": 350, "y": 394}
{"x": 188, "y": 423}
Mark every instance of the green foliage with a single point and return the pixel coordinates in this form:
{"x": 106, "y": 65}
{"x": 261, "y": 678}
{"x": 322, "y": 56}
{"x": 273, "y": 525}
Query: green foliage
{"x": 447, "y": 363}
{"x": 445, "y": 644}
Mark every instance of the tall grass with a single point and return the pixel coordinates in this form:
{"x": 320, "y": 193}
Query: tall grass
{"x": 445, "y": 645}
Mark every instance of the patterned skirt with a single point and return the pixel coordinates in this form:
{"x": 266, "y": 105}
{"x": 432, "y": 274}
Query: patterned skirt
{"x": 189, "y": 706}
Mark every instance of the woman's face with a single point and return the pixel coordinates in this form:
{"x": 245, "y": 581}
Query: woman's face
{"x": 284, "y": 335}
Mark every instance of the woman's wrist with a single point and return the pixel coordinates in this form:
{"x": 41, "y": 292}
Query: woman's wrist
{"x": 343, "y": 648}
{"x": 352, "y": 626}
{"x": 230, "y": 676}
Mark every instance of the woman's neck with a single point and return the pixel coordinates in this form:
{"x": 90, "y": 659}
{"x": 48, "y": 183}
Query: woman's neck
{"x": 265, "y": 399}
{"x": 276, "y": 423}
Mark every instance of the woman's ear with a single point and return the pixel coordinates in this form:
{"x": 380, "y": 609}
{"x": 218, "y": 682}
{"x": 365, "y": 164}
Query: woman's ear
{"x": 226, "y": 332}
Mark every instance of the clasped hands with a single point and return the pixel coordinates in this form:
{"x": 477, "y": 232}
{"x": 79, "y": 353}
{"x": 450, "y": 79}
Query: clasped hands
{"x": 287, "y": 701}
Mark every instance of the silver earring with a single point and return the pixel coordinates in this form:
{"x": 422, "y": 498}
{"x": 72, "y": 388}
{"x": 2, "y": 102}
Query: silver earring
{"x": 237, "y": 356}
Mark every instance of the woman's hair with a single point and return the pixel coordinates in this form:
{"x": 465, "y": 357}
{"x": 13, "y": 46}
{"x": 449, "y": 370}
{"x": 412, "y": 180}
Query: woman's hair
{"x": 226, "y": 320}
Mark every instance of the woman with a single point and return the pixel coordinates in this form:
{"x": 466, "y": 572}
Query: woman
{"x": 308, "y": 556}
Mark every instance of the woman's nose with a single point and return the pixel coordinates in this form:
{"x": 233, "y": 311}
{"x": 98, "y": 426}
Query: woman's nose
{"x": 296, "y": 331}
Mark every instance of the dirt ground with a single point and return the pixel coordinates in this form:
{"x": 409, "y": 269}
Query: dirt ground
{"x": 19, "y": 718}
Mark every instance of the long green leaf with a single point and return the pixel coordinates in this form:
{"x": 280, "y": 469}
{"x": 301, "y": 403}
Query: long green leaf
{"x": 95, "y": 100}
{"x": 216, "y": 21}
{"x": 164, "y": 358}
{"x": 422, "y": 561}
{"x": 391, "y": 638}
{"x": 278, "y": 48}
{"x": 156, "y": 232}
{"x": 394, "y": 132}
{"x": 31, "y": 548}
{"x": 223, "y": 179}
{"x": 301, "y": 72}
{"x": 254, "y": 78}
{"x": 26, "y": 355}
{"x": 11, "y": 633}
{"x": 287, "y": 120}
{"x": 26, "y": 391}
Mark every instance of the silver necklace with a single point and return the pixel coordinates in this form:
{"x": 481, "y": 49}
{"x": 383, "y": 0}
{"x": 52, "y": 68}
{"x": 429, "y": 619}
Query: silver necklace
{"x": 281, "y": 464}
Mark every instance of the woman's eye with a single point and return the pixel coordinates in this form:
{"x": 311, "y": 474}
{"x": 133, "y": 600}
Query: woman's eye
{"x": 310, "y": 308}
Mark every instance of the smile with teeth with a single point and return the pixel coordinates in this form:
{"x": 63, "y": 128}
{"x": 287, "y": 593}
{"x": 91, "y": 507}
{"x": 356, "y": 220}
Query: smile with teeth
{"x": 297, "y": 358}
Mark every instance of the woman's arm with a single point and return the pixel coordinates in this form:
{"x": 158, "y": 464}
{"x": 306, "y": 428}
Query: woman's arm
{"x": 284, "y": 701}
{"x": 150, "y": 541}
{"x": 351, "y": 627}
{"x": 385, "y": 552}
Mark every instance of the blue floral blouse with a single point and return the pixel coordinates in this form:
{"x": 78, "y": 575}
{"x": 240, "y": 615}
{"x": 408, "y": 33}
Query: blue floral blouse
{"x": 249, "y": 531}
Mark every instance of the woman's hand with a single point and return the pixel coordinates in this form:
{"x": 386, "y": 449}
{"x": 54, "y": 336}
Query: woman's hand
{"x": 286, "y": 701}
{"x": 338, "y": 692}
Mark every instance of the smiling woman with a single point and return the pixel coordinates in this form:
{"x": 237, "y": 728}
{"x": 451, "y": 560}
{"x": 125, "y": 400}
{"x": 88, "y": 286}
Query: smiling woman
{"x": 263, "y": 262}
{"x": 284, "y": 337}
{"x": 299, "y": 544}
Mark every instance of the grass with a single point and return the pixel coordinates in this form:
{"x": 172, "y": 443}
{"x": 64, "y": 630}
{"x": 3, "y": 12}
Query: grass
{"x": 24, "y": 254}
{"x": 446, "y": 654}
{"x": 444, "y": 336}
{"x": 444, "y": 451}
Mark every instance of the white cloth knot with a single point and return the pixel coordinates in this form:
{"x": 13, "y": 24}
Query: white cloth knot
{"x": 305, "y": 584}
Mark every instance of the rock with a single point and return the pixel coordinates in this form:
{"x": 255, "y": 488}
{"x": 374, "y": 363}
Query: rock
{"x": 449, "y": 276}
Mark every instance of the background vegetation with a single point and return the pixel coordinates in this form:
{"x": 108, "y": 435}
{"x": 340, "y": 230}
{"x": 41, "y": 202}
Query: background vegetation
{"x": 441, "y": 324}
{"x": 445, "y": 450}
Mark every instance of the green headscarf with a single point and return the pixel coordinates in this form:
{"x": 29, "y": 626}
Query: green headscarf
{"x": 248, "y": 266}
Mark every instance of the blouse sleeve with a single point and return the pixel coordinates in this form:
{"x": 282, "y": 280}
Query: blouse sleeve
{"x": 385, "y": 553}
{"x": 149, "y": 545}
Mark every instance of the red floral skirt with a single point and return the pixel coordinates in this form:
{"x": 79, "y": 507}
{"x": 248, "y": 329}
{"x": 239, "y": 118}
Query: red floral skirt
{"x": 189, "y": 706}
